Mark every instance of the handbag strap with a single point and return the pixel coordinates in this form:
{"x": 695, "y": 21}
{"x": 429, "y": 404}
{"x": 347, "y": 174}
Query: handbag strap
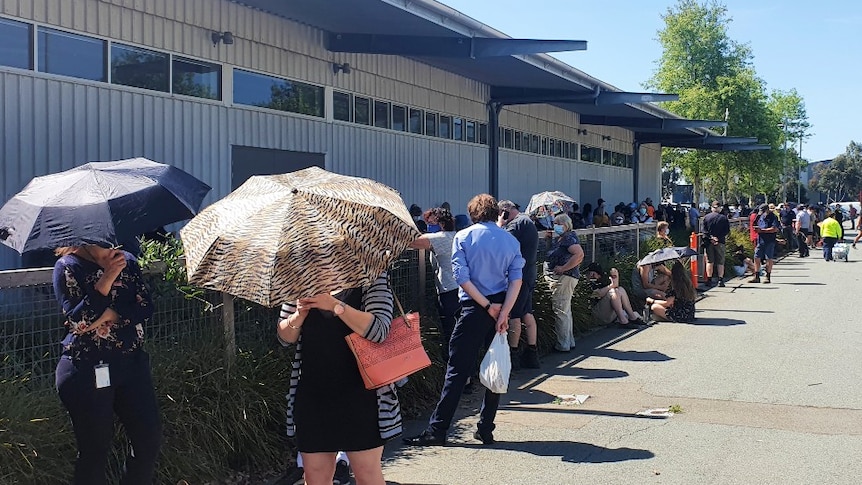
{"x": 397, "y": 302}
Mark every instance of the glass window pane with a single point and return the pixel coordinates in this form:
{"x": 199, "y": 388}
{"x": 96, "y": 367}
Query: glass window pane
{"x": 483, "y": 133}
{"x": 196, "y": 78}
{"x": 71, "y": 55}
{"x": 544, "y": 146}
{"x": 565, "y": 152}
{"x": 471, "y": 131}
{"x": 15, "y": 45}
{"x": 275, "y": 93}
{"x": 361, "y": 110}
{"x": 416, "y": 116}
{"x": 341, "y": 106}
{"x": 445, "y": 126}
{"x": 399, "y": 118}
{"x": 140, "y": 68}
{"x": 507, "y": 138}
{"x": 458, "y": 130}
{"x": 431, "y": 124}
{"x": 534, "y": 143}
{"x": 517, "y": 140}
{"x": 591, "y": 154}
{"x": 381, "y": 114}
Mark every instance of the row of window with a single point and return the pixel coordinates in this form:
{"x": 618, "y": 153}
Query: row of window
{"x": 84, "y": 57}
{"x": 383, "y": 114}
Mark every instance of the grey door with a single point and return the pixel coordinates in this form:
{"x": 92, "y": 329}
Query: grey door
{"x": 248, "y": 161}
{"x": 591, "y": 191}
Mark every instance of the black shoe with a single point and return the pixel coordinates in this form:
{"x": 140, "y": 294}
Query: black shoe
{"x": 342, "y": 473}
{"x": 530, "y": 359}
{"x": 486, "y": 439}
{"x": 470, "y": 387}
{"x": 515, "y": 359}
{"x": 721, "y": 282}
{"x": 425, "y": 439}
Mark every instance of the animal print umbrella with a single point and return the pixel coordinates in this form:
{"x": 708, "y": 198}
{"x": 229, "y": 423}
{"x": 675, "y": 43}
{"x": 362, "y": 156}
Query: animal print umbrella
{"x": 281, "y": 237}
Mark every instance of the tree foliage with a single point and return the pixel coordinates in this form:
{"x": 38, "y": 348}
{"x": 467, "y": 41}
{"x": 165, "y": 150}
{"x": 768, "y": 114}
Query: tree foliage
{"x": 715, "y": 78}
{"x": 841, "y": 178}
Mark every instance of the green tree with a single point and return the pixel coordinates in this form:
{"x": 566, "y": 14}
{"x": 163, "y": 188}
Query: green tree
{"x": 841, "y": 178}
{"x": 715, "y": 79}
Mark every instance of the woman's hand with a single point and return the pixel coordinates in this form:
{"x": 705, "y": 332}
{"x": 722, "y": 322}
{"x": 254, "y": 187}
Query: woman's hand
{"x": 615, "y": 278}
{"x": 322, "y": 301}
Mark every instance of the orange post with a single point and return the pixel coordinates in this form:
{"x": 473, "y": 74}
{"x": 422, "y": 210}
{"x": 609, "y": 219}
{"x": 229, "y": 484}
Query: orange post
{"x": 692, "y": 240}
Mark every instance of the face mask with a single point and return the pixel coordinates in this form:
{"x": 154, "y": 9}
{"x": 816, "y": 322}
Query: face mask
{"x": 642, "y": 211}
{"x": 558, "y": 228}
{"x": 434, "y": 227}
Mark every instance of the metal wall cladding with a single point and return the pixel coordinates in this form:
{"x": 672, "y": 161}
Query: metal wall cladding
{"x": 524, "y": 174}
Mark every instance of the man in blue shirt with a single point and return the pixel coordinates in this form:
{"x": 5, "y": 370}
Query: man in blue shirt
{"x": 767, "y": 229}
{"x": 488, "y": 267}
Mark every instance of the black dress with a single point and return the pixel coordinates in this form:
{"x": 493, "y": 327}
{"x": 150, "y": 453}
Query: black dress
{"x": 333, "y": 411}
{"x": 682, "y": 310}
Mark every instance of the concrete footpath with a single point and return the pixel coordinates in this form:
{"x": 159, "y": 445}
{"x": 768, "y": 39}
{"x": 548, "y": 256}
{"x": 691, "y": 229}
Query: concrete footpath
{"x": 768, "y": 381}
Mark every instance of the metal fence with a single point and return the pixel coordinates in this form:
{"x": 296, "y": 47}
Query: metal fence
{"x": 31, "y": 321}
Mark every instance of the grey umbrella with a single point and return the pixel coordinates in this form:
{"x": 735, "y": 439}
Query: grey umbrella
{"x": 667, "y": 254}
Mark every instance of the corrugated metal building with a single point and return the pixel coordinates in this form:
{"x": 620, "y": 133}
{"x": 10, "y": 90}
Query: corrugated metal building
{"x": 89, "y": 80}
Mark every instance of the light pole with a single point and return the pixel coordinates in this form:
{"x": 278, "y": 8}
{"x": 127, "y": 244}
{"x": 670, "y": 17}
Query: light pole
{"x": 783, "y": 127}
{"x": 799, "y": 176}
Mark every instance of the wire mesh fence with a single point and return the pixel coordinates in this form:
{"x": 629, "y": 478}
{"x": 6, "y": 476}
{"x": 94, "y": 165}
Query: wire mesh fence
{"x": 31, "y": 322}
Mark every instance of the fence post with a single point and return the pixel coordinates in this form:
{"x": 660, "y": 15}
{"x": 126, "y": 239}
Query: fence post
{"x": 638, "y": 241}
{"x": 422, "y": 277}
{"x": 593, "y": 257}
{"x": 227, "y": 316}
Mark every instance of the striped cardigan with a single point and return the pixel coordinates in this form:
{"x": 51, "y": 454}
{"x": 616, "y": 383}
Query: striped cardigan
{"x": 377, "y": 300}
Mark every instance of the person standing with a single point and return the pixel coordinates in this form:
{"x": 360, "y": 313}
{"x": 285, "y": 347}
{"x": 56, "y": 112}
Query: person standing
{"x": 561, "y": 273}
{"x": 787, "y": 217}
{"x": 488, "y": 267}
{"x": 716, "y": 227}
{"x": 802, "y": 233}
{"x": 767, "y": 229}
{"x": 524, "y": 230}
{"x": 104, "y": 370}
{"x": 830, "y": 231}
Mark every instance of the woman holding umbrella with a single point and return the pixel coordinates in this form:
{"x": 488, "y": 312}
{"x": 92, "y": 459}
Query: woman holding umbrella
{"x": 356, "y": 420}
{"x": 103, "y": 369}
{"x": 678, "y": 306}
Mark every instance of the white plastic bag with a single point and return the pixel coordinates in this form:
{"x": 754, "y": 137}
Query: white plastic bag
{"x": 496, "y": 365}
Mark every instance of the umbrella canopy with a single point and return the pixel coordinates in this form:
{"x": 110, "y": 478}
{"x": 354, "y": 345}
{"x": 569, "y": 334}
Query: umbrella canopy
{"x": 102, "y": 203}
{"x": 549, "y": 203}
{"x": 667, "y": 254}
{"x": 281, "y": 237}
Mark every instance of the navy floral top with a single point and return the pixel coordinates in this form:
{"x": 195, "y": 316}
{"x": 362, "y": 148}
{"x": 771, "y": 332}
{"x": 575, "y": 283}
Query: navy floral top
{"x": 75, "y": 288}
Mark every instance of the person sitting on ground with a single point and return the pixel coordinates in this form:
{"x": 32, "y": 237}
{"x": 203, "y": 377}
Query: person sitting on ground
{"x": 742, "y": 263}
{"x": 610, "y": 302}
{"x": 650, "y": 280}
{"x": 662, "y": 229}
{"x": 679, "y": 304}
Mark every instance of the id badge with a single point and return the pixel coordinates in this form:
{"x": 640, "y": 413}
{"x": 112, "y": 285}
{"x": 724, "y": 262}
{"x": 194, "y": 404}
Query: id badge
{"x": 103, "y": 376}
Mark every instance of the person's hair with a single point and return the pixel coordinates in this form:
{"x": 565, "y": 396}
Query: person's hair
{"x": 415, "y": 210}
{"x": 428, "y": 213}
{"x": 445, "y": 219}
{"x": 661, "y": 226}
{"x": 64, "y": 251}
{"x": 565, "y": 221}
{"x": 483, "y": 208}
{"x": 588, "y": 210}
{"x": 681, "y": 282}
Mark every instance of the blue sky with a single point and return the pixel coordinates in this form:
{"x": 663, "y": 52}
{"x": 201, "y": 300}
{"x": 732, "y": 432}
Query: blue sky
{"x": 812, "y": 46}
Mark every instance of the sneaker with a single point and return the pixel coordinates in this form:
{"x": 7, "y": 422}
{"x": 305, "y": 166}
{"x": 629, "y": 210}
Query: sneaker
{"x": 756, "y": 279}
{"x": 486, "y": 439}
{"x": 721, "y": 282}
{"x": 342, "y": 473}
{"x": 530, "y": 359}
{"x": 294, "y": 476}
{"x": 425, "y": 439}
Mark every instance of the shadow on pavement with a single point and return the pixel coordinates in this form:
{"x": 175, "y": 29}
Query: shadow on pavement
{"x": 803, "y": 284}
{"x": 631, "y": 355}
{"x": 715, "y": 322}
{"x": 732, "y": 311}
{"x": 590, "y": 373}
{"x": 569, "y": 451}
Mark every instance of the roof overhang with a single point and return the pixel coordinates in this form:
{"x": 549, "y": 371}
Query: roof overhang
{"x": 517, "y": 70}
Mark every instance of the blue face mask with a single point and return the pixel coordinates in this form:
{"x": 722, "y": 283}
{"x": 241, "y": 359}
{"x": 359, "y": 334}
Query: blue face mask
{"x": 558, "y": 228}
{"x": 434, "y": 228}
{"x": 642, "y": 211}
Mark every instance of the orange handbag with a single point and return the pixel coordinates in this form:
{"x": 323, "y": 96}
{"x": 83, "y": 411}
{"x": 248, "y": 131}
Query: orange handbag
{"x": 400, "y": 355}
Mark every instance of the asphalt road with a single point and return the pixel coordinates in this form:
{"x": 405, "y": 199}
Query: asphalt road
{"x": 767, "y": 379}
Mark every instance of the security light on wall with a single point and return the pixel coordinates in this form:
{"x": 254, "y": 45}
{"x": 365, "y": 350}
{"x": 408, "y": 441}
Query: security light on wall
{"x": 606, "y": 137}
{"x": 582, "y": 131}
{"x": 345, "y": 68}
{"x": 224, "y": 37}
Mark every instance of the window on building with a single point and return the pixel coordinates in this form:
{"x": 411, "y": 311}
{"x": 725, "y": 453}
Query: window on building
{"x": 254, "y": 89}
{"x": 399, "y": 118}
{"x": 483, "y": 133}
{"x": 361, "y": 110}
{"x": 507, "y": 138}
{"x": 445, "y": 127}
{"x": 71, "y": 55}
{"x": 458, "y": 129}
{"x": 341, "y": 106}
{"x": 591, "y": 154}
{"x": 470, "y": 129}
{"x": 565, "y": 152}
{"x": 518, "y": 140}
{"x": 381, "y": 114}
{"x": 416, "y": 116}
{"x": 140, "y": 68}
{"x": 196, "y": 78}
{"x": 534, "y": 142}
{"x": 15, "y": 50}
{"x": 558, "y": 147}
{"x": 431, "y": 124}
{"x": 544, "y": 146}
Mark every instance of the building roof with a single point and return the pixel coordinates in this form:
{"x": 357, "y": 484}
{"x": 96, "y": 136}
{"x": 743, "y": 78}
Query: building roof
{"x": 525, "y": 76}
